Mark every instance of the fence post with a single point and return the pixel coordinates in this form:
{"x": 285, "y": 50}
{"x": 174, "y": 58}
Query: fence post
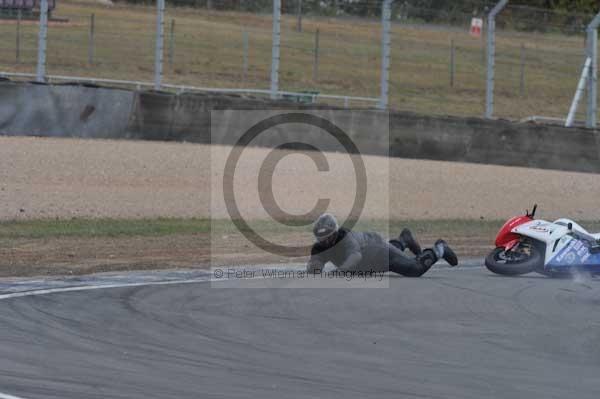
{"x": 491, "y": 57}
{"x": 91, "y": 39}
{"x": 522, "y": 77}
{"x": 451, "y": 62}
{"x": 18, "y": 44}
{"x": 42, "y": 42}
{"x": 579, "y": 92}
{"x": 276, "y": 40}
{"x": 386, "y": 13}
{"x": 160, "y": 37}
{"x": 316, "y": 57}
{"x": 299, "y": 15}
{"x": 245, "y": 70}
{"x": 172, "y": 43}
{"x": 592, "y": 81}
{"x": 483, "y": 42}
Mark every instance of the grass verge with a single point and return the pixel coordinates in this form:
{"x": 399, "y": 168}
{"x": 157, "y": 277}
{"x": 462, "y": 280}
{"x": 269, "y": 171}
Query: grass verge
{"x": 84, "y": 246}
{"x": 89, "y": 228}
{"x": 159, "y": 227}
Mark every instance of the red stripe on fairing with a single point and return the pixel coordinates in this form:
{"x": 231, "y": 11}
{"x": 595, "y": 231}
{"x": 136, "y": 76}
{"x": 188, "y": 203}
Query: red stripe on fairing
{"x": 506, "y": 238}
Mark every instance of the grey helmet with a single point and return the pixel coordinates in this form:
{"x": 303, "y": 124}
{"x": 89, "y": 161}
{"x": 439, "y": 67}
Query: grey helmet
{"x": 325, "y": 226}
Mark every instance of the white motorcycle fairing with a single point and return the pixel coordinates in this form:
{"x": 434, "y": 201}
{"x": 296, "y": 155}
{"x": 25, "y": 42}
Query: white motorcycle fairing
{"x": 563, "y": 248}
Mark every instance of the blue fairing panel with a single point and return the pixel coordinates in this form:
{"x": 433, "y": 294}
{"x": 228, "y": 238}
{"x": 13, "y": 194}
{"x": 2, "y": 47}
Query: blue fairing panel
{"x": 574, "y": 254}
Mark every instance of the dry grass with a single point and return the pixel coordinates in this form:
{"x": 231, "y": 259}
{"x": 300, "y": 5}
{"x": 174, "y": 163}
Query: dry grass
{"x": 208, "y": 51}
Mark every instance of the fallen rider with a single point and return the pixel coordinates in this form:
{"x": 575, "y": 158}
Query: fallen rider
{"x": 369, "y": 252}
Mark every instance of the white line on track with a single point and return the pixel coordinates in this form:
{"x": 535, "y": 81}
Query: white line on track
{"x": 97, "y": 287}
{"x": 6, "y": 396}
{"x": 124, "y": 285}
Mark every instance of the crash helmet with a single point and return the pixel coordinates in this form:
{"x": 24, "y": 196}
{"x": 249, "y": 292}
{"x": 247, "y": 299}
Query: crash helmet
{"x": 325, "y": 226}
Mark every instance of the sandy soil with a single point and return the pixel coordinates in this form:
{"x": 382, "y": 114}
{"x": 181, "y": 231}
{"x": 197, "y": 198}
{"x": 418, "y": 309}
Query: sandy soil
{"x": 64, "y": 178}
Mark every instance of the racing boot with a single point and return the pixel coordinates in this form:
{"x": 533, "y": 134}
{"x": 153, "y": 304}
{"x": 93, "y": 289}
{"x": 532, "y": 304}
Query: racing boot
{"x": 425, "y": 259}
{"x": 442, "y": 250}
{"x": 407, "y": 240}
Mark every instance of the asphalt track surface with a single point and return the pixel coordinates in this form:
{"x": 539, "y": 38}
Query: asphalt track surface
{"x": 454, "y": 333}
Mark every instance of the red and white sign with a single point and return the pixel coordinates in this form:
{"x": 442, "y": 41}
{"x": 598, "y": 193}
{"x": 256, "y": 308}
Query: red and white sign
{"x": 476, "y": 27}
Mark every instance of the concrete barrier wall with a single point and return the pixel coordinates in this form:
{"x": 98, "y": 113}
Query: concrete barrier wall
{"x": 494, "y": 142}
{"x": 63, "y": 110}
{"x": 77, "y": 111}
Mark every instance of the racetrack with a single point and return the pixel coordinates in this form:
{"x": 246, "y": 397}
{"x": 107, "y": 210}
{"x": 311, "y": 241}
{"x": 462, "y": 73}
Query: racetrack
{"x": 455, "y": 333}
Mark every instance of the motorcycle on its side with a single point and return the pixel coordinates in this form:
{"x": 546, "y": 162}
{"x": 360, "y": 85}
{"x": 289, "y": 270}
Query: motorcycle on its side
{"x": 555, "y": 249}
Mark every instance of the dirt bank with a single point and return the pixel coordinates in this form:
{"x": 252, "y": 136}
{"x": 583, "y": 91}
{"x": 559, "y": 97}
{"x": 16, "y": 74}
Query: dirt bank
{"x": 65, "y": 178}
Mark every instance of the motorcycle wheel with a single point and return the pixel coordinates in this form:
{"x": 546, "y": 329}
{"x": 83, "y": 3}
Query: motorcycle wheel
{"x": 525, "y": 260}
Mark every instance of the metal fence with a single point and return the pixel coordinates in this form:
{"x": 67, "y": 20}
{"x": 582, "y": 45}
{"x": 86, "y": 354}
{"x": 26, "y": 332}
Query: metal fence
{"x": 427, "y": 61}
{"x": 538, "y": 66}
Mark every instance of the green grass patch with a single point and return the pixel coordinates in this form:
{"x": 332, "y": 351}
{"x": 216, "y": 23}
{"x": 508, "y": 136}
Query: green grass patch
{"x": 50, "y": 228}
{"x": 101, "y": 228}
{"x": 89, "y": 228}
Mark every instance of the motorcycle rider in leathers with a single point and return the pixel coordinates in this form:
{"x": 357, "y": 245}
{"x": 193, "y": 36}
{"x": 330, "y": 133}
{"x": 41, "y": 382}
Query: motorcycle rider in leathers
{"x": 352, "y": 251}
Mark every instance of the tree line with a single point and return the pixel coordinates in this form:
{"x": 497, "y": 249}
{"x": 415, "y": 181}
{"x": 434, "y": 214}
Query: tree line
{"x": 572, "y": 6}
